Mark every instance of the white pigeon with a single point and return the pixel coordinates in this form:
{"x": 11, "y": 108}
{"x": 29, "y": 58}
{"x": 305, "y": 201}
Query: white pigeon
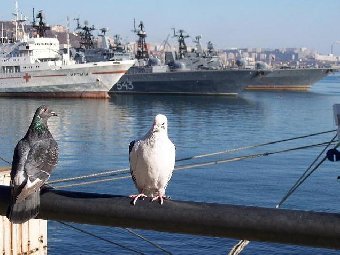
{"x": 152, "y": 161}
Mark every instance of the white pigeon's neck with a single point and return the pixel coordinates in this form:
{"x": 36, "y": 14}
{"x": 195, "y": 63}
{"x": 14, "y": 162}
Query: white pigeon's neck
{"x": 156, "y": 135}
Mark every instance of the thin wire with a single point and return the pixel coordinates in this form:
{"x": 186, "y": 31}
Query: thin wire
{"x": 92, "y": 182}
{"x": 245, "y": 157}
{"x": 4, "y": 160}
{"x": 118, "y": 171}
{"x": 100, "y": 238}
{"x": 189, "y": 166}
{"x": 304, "y": 176}
{"x": 148, "y": 241}
{"x": 254, "y": 146}
{"x": 126, "y": 170}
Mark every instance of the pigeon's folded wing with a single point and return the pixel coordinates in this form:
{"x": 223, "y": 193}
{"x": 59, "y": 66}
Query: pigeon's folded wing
{"x": 172, "y": 159}
{"x": 41, "y": 159}
{"x": 133, "y": 155}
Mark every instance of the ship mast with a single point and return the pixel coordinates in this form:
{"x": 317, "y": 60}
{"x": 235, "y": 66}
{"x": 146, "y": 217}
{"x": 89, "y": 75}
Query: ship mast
{"x": 197, "y": 40}
{"x": 104, "y": 41}
{"x": 142, "y": 48}
{"x": 86, "y": 37}
{"x": 18, "y": 23}
{"x": 41, "y": 27}
{"x": 117, "y": 45}
{"x": 3, "y": 39}
{"x": 66, "y": 57}
{"x": 210, "y": 47}
{"x": 182, "y": 47}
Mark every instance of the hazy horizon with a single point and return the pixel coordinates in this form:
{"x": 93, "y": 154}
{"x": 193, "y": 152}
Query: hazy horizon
{"x": 239, "y": 24}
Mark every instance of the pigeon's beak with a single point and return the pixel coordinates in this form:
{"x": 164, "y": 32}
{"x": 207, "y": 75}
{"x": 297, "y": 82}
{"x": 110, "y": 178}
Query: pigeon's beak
{"x": 54, "y": 114}
{"x": 155, "y": 128}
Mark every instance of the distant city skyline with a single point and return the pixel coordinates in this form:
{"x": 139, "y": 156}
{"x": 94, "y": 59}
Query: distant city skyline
{"x": 239, "y": 24}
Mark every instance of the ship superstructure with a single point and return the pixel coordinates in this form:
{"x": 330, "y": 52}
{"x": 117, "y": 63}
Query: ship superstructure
{"x": 95, "y": 49}
{"x": 35, "y": 66}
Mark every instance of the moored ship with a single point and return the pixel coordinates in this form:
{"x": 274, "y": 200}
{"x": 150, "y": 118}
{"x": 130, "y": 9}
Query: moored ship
{"x": 201, "y": 72}
{"x": 35, "y": 66}
{"x": 288, "y": 79}
{"x": 195, "y": 73}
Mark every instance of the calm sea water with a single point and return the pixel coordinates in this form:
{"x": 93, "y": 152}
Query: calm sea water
{"x": 93, "y": 136}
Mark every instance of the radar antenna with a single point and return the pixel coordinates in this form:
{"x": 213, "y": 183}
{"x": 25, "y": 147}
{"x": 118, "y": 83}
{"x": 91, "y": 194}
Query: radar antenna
{"x": 78, "y": 24}
{"x": 85, "y": 34}
{"x": 210, "y": 47}
{"x": 197, "y": 40}
{"x": 103, "y": 31}
{"x": 41, "y": 27}
{"x": 142, "y": 48}
{"x": 117, "y": 43}
{"x": 182, "y": 47}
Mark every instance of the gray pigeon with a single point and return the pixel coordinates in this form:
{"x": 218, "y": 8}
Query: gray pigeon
{"x": 152, "y": 161}
{"x": 35, "y": 156}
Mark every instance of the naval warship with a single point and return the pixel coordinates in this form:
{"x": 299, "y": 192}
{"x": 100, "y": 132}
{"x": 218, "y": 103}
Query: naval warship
{"x": 92, "y": 49}
{"x": 202, "y": 72}
{"x": 183, "y": 72}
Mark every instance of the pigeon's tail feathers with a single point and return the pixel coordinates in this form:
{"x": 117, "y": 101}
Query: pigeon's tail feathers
{"x": 22, "y": 211}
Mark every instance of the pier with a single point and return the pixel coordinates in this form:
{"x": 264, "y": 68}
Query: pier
{"x": 27, "y": 238}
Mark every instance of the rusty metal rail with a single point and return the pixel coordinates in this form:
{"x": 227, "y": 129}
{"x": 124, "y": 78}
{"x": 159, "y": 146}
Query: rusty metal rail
{"x": 221, "y": 220}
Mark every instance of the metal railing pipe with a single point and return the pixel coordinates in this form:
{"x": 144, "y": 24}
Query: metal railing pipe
{"x": 315, "y": 229}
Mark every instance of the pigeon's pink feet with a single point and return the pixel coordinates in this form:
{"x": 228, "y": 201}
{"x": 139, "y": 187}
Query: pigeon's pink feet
{"x": 136, "y": 197}
{"x": 160, "y": 198}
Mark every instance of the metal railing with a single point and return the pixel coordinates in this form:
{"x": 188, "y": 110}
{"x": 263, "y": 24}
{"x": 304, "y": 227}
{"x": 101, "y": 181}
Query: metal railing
{"x": 315, "y": 229}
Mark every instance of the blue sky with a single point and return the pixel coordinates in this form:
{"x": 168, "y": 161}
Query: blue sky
{"x": 238, "y": 23}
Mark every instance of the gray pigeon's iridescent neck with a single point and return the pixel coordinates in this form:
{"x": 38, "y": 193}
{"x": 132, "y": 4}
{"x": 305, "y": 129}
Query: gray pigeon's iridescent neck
{"x": 39, "y": 125}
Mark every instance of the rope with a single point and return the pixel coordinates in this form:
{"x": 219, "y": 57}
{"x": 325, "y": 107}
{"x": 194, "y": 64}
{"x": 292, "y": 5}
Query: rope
{"x": 123, "y": 171}
{"x": 6, "y": 161}
{"x": 189, "y": 166}
{"x": 91, "y": 182}
{"x": 238, "y": 248}
{"x": 126, "y": 170}
{"x": 119, "y": 171}
{"x": 245, "y": 157}
{"x": 148, "y": 241}
{"x": 305, "y": 175}
{"x": 101, "y": 238}
{"x": 117, "y": 244}
{"x": 255, "y": 146}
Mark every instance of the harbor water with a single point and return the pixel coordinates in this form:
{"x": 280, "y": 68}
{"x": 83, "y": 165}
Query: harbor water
{"x": 94, "y": 135}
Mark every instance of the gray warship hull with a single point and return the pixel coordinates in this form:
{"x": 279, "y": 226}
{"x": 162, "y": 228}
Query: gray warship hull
{"x": 205, "y": 82}
{"x": 300, "y": 79}
{"x": 216, "y": 82}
